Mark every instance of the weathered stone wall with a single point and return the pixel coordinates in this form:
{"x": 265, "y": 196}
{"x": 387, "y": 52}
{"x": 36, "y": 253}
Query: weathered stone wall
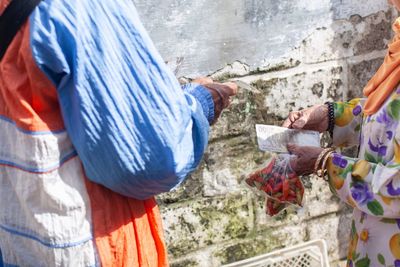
{"x": 296, "y": 54}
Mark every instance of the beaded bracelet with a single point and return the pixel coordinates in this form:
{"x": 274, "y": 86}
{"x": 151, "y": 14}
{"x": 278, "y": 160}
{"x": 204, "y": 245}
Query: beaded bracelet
{"x": 331, "y": 117}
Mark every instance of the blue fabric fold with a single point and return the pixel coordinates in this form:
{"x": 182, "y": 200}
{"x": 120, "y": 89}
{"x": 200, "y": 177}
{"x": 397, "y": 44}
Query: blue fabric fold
{"x": 134, "y": 128}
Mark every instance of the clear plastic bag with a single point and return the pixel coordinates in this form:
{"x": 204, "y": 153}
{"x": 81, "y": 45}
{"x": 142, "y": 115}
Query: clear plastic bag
{"x": 281, "y": 186}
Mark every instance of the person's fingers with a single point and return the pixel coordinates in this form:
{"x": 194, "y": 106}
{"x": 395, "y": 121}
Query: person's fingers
{"x": 203, "y": 80}
{"x": 293, "y": 149}
{"x": 294, "y": 165}
{"x": 301, "y": 120}
{"x": 287, "y": 123}
{"x": 231, "y": 88}
{"x": 299, "y": 124}
{"x": 295, "y": 115}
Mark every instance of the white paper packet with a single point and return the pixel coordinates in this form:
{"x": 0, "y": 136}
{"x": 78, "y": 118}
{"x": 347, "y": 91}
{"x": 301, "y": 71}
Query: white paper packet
{"x": 275, "y": 139}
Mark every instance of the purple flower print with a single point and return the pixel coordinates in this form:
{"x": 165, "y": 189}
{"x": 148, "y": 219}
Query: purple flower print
{"x": 397, "y": 263}
{"x": 361, "y": 194}
{"x": 372, "y": 146}
{"x": 339, "y": 161}
{"x": 381, "y": 150}
{"x": 391, "y": 190}
{"x": 398, "y": 223}
{"x": 356, "y": 110}
{"x": 384, "y": 118}
{"x": 389, "y": 135}
{"x": 350, "y": 263}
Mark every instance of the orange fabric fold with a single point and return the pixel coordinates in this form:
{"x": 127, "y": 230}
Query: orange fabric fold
{"x": 127, "y": 232}
{"x": 28, "y": 98}
{"x": 386, "y": 78}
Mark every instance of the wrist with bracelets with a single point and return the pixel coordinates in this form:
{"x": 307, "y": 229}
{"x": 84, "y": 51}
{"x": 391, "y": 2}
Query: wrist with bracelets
{"x": 331, "y": 117}
{"x": 320, "y": 163}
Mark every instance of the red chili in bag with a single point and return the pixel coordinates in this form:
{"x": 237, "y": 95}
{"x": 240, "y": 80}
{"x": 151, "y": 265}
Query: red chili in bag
{"x": 273, "y": 207}
{"x": 280, "y": 184}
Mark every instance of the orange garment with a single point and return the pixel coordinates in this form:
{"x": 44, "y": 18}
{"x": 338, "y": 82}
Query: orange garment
{"x": 32, "y": 108}
{"x": 126, "y": 231}
{"x": 386, "y": 78}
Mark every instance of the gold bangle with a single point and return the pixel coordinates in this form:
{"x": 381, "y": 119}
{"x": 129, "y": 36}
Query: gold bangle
{"x": 319, "y": 159}
{"x": 325, "y": 160}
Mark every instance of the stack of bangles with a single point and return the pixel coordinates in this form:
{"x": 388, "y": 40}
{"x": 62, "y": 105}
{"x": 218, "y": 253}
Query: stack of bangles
{"x": 320, "y": 163}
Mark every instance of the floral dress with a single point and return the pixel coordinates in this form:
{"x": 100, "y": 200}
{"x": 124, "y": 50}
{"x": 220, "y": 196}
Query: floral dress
{"x": 371, "y": 182}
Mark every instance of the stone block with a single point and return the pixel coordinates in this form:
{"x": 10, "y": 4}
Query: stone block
{"x": 262, "y": 242}
{"x": 228, "y": 161}
{"x": 189, "y": 189}
{"x": 319, "y": 200}
{"x": 359, "y": 75}
{"x": 264, "y": 221}
{"x": 245, "y": 249}
{"x": 200, "y": 258}
{"x": 375, "y": 31}
{"x": 335, "y": 230}
{"x": 196, "y": 224}
{"x": 328, "y": 43}
{"x": 236, "y": 69}
{"x": 239, "y": 119}
{"x": 225, "y": 163}
{"x": 346, "y": 38}
{"x": 299, "y": 90}
{"x": 185, "y": 263}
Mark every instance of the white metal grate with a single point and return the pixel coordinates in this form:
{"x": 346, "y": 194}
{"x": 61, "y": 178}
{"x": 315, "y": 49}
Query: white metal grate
{"x": 309, "y": 254}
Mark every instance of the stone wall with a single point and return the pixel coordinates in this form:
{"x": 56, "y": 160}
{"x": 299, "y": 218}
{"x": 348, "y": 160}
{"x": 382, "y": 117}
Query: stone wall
{"x": 295, "y": 54}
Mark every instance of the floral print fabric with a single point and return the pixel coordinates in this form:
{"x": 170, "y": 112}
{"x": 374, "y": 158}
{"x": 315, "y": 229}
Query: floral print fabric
{"x": 371, "y": 182}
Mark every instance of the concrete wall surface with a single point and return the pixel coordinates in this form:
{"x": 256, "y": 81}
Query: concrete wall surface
{"x": 296, "y": 54}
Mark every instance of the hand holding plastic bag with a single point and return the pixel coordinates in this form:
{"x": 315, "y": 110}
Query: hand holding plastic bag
{"x": 280, "y": 184}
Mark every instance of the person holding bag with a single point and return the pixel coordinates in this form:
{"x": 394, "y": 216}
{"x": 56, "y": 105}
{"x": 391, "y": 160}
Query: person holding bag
{"x": 370, "y": 183}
